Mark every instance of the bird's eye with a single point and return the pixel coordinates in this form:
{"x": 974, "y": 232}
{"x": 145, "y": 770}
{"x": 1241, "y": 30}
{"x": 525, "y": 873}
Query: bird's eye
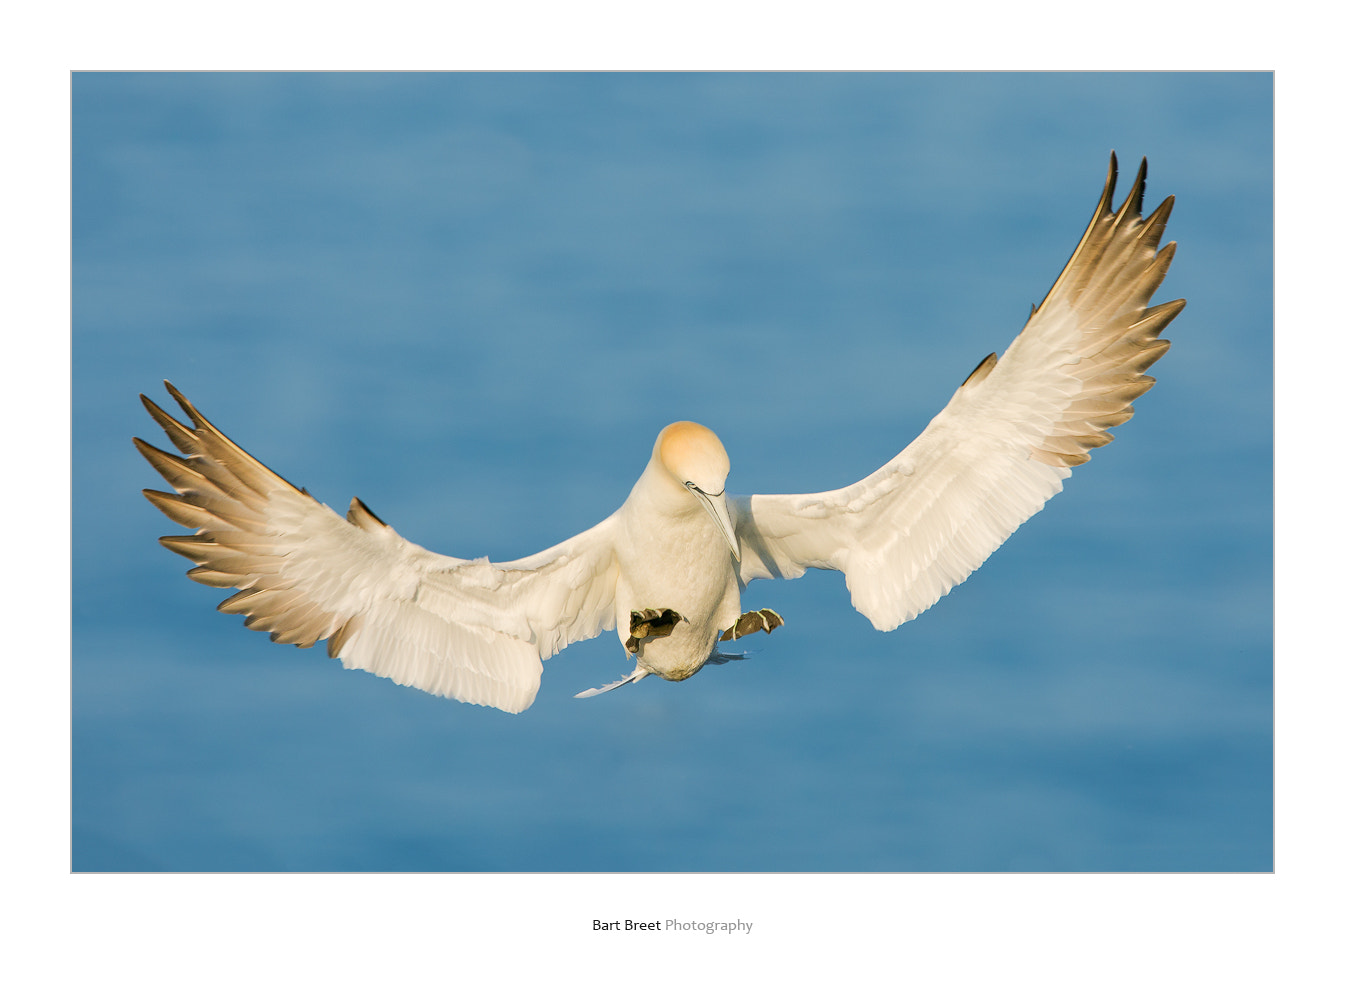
{"x": 692, "y": 486}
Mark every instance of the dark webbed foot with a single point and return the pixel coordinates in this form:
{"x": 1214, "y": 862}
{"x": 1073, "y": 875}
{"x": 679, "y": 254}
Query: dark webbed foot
{"x": 651, "y": 623}
{"x": 765, "y": 620}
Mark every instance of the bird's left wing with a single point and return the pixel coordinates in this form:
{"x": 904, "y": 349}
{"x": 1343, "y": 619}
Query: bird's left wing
{"x": 467, "y": 629}
{"x": 923, "y": 522}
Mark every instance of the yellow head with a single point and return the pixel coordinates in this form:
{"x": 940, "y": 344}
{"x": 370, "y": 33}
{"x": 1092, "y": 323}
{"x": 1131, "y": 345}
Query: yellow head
{"x": 692, "y": 453}
{"x": 697, "y": 461}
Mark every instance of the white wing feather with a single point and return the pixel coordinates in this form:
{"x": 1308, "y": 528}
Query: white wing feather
{"x": 466, "y": 629}
{"x": 923, "y": 522}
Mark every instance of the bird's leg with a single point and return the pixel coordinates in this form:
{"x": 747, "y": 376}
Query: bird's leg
{"x": 765, "y": 620}
{"x": 651, "y": 623}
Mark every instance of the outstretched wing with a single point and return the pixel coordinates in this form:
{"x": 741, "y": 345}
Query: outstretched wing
{"x": 467, "y": 629}
{"x": 923, "y": 522}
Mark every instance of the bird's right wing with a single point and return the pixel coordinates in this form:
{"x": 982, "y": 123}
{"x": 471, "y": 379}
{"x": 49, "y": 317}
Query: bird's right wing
{"x": 908, "y": 533}
{"x": 467, "y": 629}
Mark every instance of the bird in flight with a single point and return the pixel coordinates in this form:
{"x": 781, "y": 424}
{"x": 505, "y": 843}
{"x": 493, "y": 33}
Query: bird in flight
{"x": 668, "y": 568}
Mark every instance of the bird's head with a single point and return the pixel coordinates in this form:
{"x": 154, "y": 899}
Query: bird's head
{"x": 694, "y": 455}
{"x": 695, "y": 458}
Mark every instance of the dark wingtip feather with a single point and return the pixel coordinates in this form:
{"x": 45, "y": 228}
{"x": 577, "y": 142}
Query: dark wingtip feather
{"x": 187, "y": 407}
{"x": 1133, "y": 206}
{"x": 983, "y": 369}
{"x": 1109, "y": 188}
{"x": 362, "y": 516}
{"x": 182, "y": 437}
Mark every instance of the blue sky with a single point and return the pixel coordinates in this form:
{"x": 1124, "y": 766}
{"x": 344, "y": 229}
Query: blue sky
{"x": 473, "y": 300}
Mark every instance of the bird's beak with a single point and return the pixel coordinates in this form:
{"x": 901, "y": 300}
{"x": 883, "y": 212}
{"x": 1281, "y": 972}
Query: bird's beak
{"x": 718, "y": 508}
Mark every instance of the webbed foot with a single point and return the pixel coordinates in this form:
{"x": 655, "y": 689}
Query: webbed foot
{"x": 651, "y": 623}
{"x": 765, "y": 620}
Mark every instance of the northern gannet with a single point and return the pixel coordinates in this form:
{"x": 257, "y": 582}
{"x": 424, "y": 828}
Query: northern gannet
{"x": 668, "y": 566}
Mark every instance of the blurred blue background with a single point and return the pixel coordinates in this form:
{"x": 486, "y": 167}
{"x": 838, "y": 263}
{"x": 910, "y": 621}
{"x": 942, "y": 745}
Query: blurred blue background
{"x": 473, "y": 300}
